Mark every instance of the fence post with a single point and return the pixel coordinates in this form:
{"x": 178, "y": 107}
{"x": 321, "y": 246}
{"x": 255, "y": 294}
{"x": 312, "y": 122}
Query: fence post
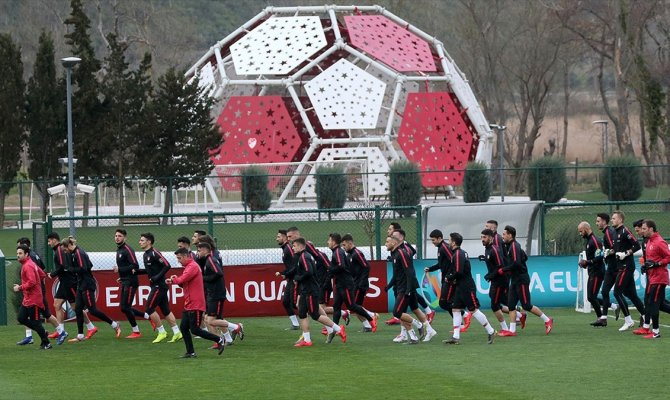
{"x": 3, "y": 290}
{"x": 378, "y": 232}
{"x": 419, "y": 233}
{"x": 543, "y": 215}
{"x": 20, "y": 224}
{"x": 97, "y": 202}
{"x": 210, "y": 222}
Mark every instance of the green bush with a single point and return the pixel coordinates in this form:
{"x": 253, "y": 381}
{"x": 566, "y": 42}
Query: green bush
{"x": 476, "y": 183}
{"x": 624, "y": 175}
{"x": 404, "y": 186}
{"x": 547, "y": 180}
{"x": 331, "y": 187}
{"x": 255, "y": 193}
{"x": 566, "y": 240}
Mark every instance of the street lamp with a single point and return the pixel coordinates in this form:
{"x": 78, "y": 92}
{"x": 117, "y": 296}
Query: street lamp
{"x": 500, "y": 129}
{"x": 68, "y": 64}
{"x": 605, "y": 138}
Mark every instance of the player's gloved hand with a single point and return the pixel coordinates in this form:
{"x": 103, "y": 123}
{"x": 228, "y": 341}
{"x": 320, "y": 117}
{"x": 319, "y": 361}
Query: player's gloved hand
{"x": 621, "y": 255}
{"x": 643, "y": 269}
{"x": 583, "y": 263}
{"x": 651, "y": 264}
{"x": 482, "y": 258}
{"x": 489, "y": 277}
{"x": 607, "y": 252}
{"x": 386, "y": 288}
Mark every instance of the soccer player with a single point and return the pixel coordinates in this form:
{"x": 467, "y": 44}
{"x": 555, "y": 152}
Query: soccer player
{"x": 67, "y": 286}
{"x": 127, "y": 267}
{"x": 289, "y": 295}
{"x": 625, "y": 245}
{"x": 596, "y": 269}
{"x": 46, "y": 312}
{"x": 514, "y": 259}
{"x": 492, "y": 224}
{"x": 32, "y": 303}
{"x": 444, "y": 255}
{"x": 405, "y": 285}
{"x": 185, "y": 243}
{"x": 460, "y": 277}
{"x": 194, "y": 303}
{"x": 655, "y": 265}
{"x": 343, "y": 284}
{"x": 155, "y": 267}
{"x": 360, "y": 270}
{"x": 308, "y": 301}
{"x": 609, "y": 234}
{"x": 86, "y": 287}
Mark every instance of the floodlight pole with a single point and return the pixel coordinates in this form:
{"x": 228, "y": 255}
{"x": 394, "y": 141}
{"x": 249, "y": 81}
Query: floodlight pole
{"x": 69, "y": 63}
{"x": 500, "y": 129}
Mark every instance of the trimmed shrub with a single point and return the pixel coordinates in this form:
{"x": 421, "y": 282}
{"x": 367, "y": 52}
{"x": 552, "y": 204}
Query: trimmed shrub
{"x": 547, "y": 180}
{"x": 624, "y": 175}
{"x": 404, "y": 186}
{"x": 566, "y": 240}
{"x": 255, "y": 193}
{"x": 476, "y": 183}
{"x": 331, "y": 187}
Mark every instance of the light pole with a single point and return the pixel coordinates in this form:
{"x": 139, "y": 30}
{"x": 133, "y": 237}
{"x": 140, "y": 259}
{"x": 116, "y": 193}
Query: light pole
{"x": 605, "y": 139}
{"x": 500, "y": 129}
{"x": 69, "y": 63}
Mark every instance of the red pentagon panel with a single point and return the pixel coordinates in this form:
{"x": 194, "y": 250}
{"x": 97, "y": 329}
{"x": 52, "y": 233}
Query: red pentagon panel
{"x": 437, "y": 134}
{"x": 256, "y": 129}
{"x": 390, "y": 43}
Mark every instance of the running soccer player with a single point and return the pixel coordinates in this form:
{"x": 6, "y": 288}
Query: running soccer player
{"x": 596, "y": 269}
{"x": 514, "y": 259}
{"x": 308, "y": 302}
{"x": 194, "y": 303}
{"x": 155, "y": 267}
{"x": 128, "y": 269}
{"x": 609, "y": 234}
{"x": 32, "y": 303}
{"x": 492, "y": 224}
{"x": 360, "y": 269}
{"x": 289, "y": 295}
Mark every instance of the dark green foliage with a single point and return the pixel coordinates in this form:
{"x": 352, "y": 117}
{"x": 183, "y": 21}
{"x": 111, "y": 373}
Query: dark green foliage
{"x": 404, "y": 186}
{"x": 12, "y": 116}
{"x": 255, "y": 193}
{"x": 566, "y": 242}
{"x": 547, "y": 180}
{"x": 331, "y": 187}
{"x": 623, "y": 176}
{"x": 476, "y": 183}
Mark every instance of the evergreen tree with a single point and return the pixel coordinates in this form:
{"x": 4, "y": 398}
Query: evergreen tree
{"x": 12, "y": 116}
{"x": 176, "y": 149}
{"x": 46, "y": 123}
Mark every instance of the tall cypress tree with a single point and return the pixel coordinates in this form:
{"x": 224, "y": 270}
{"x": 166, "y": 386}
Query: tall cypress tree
{"x": 45, "y": 120}
{"x": 12, "y": 116}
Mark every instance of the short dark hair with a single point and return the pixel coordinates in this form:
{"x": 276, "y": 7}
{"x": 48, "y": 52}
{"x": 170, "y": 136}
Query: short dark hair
{"x": 650, "y": 224}
{"x": 511, "y": 230}
{"x": 149, "y": 236}
{"x": 488, "y": 232}
{"x": 121, "y": 231}
{"x": 436, "y": 233}
{"x": 184, "y": 239}
{"x": 456, "y": 238}
{"x": 207, "y": 239}
{"x": 347, "y": 237}
{"x": 401, "y": 231}
{"x": 53, "y": 235}
{"x": 336, "y": 237}
{"x": 492, "y": 221}
{"x": 182, "y": 251}
{"x": 293, "y": 229}
{"x": 638, "y": 223}
{"x": 396, "y": 226}
{"x": 301, "y": 241}
{"x": 282, "y": 232}
{"x": 200, "y": 232}
{"x": 23, "y": 240}
{"x": 23, "y": 247}
{"x": 204, "y": 245}
{"x": 604, "y": 216}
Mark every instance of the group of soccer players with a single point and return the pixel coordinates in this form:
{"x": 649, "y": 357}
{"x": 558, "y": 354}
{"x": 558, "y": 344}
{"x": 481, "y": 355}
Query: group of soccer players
{"x": 610, "y": 264}
{"x": 202, "y": 282}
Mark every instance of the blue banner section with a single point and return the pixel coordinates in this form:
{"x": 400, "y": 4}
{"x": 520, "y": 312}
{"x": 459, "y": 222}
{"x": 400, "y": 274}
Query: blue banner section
{"x": 553, "y": 281}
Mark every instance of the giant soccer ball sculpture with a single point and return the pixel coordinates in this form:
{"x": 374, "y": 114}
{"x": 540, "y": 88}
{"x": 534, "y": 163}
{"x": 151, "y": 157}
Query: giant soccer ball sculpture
{"x": 300, "y": 87}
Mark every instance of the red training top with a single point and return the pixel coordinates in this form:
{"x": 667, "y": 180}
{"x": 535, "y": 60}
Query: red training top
{"x": 191, "y": 282}
{"x": 31, "y": 278}
{"x": 657, "y": 251}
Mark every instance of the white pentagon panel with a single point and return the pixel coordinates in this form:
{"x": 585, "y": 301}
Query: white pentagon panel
{"x": 375, "y": 181}
{"x": 346, "y": 97}
{"x": 278, "y": 45}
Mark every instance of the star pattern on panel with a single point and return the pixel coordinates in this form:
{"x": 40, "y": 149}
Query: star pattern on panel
{"x": 389, "y": 42}
{"x": 278, "y": 45}
{"x": 375, "y": 161}
{"x": 437, "y": 134}
{"x": 256, "y": 129}
{"x": 346, "y": 97}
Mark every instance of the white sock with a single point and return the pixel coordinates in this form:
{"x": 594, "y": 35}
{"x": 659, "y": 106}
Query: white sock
{"x": 80, "y": 336}
{"x": 458, "y": 320}
{"x": 306, "y": 337}
{"x": 345, "y": 314}
{"x": 136, "y": 328}
{"x": 603, "y": 317}
{"x": 503, "y": 325}
{"x": 403, "y": 330}
{"x": 336, "y": 328}
{"x": 90, "y": 326}
{"x": 29, "y": 333}
{"x": 544, "y": 317}
{"x": 512, "y": 326}
{"x": 232, "y": 327}
{"x": 227, "y": 336}
{"x": 146, "y": 316}
{"x": 412, "y": 335}
{"x": 427, "y": 310}
{"x": 59, "y": 329}
{"x": 294, "y": 320}
{"x": 161, "y": 329}
{"x": 656, "y": 331}
{"x": 175, "y": 329}
{"x": 628, "y": 319}
{"x": 366, "y": 324}
{"x": 416, "y": 324}
{"x": 481, "y": 318}
{"x": 329, "y": 329}
{"x": 115, "y": 324}
{"x": 371, "y": 314}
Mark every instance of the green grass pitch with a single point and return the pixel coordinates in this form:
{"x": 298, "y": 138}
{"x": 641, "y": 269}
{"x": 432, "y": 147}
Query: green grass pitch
{"x": 575, "y": 361}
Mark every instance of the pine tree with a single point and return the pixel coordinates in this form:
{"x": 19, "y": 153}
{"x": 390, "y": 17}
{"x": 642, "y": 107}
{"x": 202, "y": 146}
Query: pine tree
{"x": 176, "y": 150}
{"x": 46, "y": 123}
{"x": 12, "y": 116}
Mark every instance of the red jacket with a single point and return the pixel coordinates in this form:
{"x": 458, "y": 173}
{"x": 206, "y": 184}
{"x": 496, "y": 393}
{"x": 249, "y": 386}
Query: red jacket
{"x": 657, "y": 251}
{"x": 31, "y": 283}
{"x": 191, "y": 282}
